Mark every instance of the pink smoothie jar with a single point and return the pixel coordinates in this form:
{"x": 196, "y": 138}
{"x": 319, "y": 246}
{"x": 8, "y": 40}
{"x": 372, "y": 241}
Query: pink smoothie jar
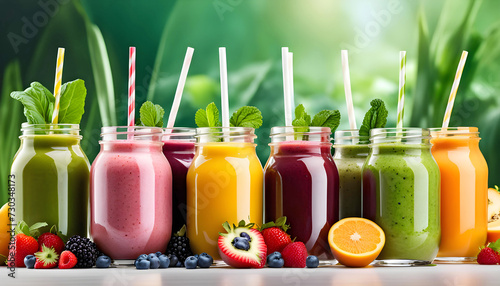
{"x": 131, "y": 193}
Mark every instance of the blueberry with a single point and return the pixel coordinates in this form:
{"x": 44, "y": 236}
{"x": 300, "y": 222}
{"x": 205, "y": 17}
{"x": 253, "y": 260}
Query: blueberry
{"x": 142, "y": 264}
{"x": 103, "y": 261}
{"x": 154, "y": 262}
{"x": 151, "y": 255}
{"x": 173, "y": 260}
{"x": 29, "y": 261}
{"x": 164, "y": 261}
{"x": 312, "y": 261}
{"x": 178, "y": 264}
{"x": 274, "y": 260}
{"x": 241, "y": 243}
{"x": 270, "y": 256}
{"x": 158, "y": 254}
{"x": 205, "y": 260}
{"x": 191, "y": 262}
{"x": 141, "y": 257}
{"x": 245, "y": 235}
{"x": 197, "y": 256}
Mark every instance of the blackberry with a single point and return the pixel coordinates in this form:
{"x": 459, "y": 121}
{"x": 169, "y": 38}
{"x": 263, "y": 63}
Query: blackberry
{"x": 84, "y": 249}
{"x": 179, "y": 246}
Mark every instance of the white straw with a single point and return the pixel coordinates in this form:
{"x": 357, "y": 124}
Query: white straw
{"x": 347, "y": 89}
{"x": 180, "y": 87}
{"x": 290, "y": 81}
{"x": 223, "y": 87}
{"x": 286, "y": 86}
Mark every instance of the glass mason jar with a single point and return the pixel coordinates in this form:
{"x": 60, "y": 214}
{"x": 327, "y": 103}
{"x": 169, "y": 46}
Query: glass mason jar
{"x": 401, "y": 194}
{"x": 131, "y": 193}
{"x": 301, "y": 182}
{"x": 51, "y": 174}
{"x": 351, "y": 151}
{"x": 178, "y": 148}
{"x": 224, "y": 183}
{"x": 464, "y": 192}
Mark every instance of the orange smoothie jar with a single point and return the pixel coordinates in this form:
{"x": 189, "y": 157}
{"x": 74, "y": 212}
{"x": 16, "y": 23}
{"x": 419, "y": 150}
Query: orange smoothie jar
{"x": 464, "y": 192}
{"x": 224, "y": 183}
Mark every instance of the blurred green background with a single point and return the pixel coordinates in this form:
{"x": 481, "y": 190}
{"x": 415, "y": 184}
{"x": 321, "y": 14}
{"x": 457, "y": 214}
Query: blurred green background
{"x": 97, "y": 34}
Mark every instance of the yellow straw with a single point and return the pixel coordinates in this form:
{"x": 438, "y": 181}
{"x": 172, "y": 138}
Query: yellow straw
{"x": 454, "y": 89}
{"x": 57, "y": 84}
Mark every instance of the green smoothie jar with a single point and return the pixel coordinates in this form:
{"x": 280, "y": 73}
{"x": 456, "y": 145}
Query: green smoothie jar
{"x": 51, "y": 174}
{"x": 351, "y": 151}
{"x": 401, "y": 186}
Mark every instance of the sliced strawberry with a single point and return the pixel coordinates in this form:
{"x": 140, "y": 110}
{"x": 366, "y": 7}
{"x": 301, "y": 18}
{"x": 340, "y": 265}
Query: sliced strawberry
{"x": 242, "y": 246}
{"x": 67, "y": 260}
{"x": 275, "y": 235}
{"x": 47, "y": 258}
{"x": 295, "y": 255}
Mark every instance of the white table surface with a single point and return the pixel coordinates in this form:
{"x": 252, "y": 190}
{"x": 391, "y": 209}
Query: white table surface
{"x": 442, "y": 274}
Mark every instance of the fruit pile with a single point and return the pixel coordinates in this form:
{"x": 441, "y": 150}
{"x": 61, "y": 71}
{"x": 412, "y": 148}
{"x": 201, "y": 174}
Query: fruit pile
{"x": 246, "y": 247}
{"x": 49, "y": 251}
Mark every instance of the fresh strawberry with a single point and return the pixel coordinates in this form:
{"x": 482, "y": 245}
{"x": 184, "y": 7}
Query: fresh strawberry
{"x": 25, "y": 242}
{"x": 67, "y": 260}
{"x": 25, "y": 245}
{"x": 490, "y": 254}
{"x": 51, "y": 240}
{"x": 295, "y": 255}
{"x": 47, "y": 258}
{"x": 242, "y": 246}
{"x": 275, "y": 235}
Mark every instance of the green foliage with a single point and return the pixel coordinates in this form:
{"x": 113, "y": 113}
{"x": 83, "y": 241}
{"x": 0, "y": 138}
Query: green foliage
{"x": 72, "y": 103}
{"x": 38, "y": 103}
{"x": 376, "y": 117}
{"x": 151, "y": 114}
{"x": 208, "y": 117}
{"x": 247, "y": 116}
{"x": 325, "y": 118}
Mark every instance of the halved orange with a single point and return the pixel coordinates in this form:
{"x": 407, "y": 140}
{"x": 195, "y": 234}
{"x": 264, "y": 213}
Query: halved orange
{"x": 356, "y": 242}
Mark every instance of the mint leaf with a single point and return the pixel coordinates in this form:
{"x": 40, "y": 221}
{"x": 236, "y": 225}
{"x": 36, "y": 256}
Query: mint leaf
{"x": 71, "y": 106}
{"x": 38, "y": 103}
{"x": 200, "y": 118}
{"x": 151, "y": 114}
{"x": 376, "y": 117}
{"x": 247, "y": 116}
{"x": 327, "y": 118}
{"x": 208, "y": 117}
{"x": 300, "y": 113}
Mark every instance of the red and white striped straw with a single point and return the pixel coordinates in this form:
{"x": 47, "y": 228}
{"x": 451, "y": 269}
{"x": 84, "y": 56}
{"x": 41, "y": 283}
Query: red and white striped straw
{"x": 131, "y": 87}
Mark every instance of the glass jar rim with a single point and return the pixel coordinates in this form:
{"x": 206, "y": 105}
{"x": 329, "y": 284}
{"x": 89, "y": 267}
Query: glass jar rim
{"x": 225, "y": 134}
{"x": 67, "y": 129}
{"x": 185, "y": 134}
{"x": 299, "y": 130}
{"x": 409, "y": 135}
{"x": 121, "y": 133}
{"x": 454, "y": 131}
{"x": 350, "y": 137}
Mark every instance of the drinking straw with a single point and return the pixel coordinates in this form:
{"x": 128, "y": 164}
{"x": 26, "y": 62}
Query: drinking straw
{"x": 131, "y": 90}
{"x": 290, "y": 80}
{"x": 57, "y": 84}
{"x": 180, "y": 87}
{"x": 347, "y": 89}
{"x": 454, "y": 89}
{"x": 402, "y": 83}
{"x": 286, "y": 86}
{"x": 223, "y": 87}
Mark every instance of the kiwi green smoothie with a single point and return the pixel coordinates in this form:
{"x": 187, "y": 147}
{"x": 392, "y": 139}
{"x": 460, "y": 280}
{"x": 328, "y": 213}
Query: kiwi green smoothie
{"x": 401, "y": 184}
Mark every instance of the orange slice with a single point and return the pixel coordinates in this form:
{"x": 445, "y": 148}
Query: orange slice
{"x": 356, "y": 242}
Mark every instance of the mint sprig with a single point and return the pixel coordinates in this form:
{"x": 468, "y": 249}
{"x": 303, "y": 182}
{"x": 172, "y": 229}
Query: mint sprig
{"x": 325, "y": 118}
{"x": 151, "y": 114}
{"x": 245, "y": 116}
{"x": 39, "y": 102}
{"x": 376, "y": 117}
